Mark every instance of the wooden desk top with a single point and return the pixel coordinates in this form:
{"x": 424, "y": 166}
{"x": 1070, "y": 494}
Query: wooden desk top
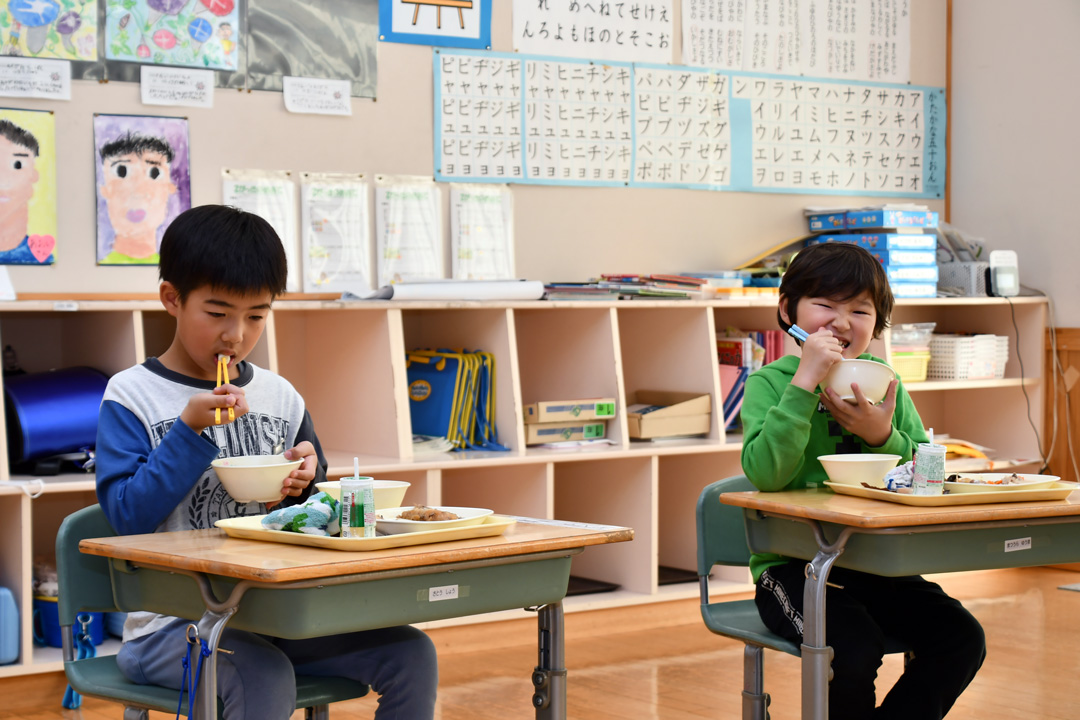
{"x": 213, "y": 552}
{"x": 825, "y": 505}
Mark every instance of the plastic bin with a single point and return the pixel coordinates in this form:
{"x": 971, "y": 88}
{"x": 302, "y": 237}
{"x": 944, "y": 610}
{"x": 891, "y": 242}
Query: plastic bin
{"x": 968, "y": 357}
{"x": 911, "y": 366}
{"x": 47, "y": 623}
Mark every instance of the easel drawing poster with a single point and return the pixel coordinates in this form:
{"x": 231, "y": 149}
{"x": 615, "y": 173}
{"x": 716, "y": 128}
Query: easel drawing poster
{"x": 446, "y": 23}
{"x": 27, "y": 187}
{"x": 143, "y": 183}
{"x": 191, "y": 33}
{"x": 65, "y": 29}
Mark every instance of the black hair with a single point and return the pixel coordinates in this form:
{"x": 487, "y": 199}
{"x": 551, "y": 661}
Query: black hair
{"x": 837, "y": 271}
{"x": 133, "y": 142}
{"x": 224, "y": 248}
{"x": 19, "y": 136}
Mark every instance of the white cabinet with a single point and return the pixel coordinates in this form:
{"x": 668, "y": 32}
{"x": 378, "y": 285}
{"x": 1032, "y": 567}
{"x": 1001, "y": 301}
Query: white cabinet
{"x": 348, "y": 361}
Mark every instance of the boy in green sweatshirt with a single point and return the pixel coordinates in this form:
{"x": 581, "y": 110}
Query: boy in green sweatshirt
{"x": 839, "y": 294}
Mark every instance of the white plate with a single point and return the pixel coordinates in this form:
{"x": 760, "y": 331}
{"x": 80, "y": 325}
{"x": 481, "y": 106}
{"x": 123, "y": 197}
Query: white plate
{"x": 1031, "y": 482}
{"x": 388, "y": 521}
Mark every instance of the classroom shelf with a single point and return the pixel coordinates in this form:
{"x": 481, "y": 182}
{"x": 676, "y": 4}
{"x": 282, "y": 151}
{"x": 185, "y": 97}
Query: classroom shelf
{"x": 348, "y": 360}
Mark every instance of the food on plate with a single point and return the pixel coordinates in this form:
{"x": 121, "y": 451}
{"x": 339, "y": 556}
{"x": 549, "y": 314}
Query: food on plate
{"x": 426, "y": 514}
{"x": 1012, "y": 479}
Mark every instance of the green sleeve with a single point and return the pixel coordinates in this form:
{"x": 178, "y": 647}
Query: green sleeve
{"x": 776, "y": 429}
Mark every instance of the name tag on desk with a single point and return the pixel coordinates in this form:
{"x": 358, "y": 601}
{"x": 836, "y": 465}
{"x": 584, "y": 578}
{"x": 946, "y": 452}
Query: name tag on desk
{"x": 1018, "y": 544}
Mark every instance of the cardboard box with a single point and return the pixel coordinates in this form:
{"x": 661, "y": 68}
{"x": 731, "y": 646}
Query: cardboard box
{"x": 569, "y": 410}
{"x": 882, "y": 241}
{"x": 912, "y": 273}
{"x": 537, "y": 433}
{"x": 892, "y": 219}
{"x": 902, "y": 289}
{"x": 892, "y": 258}
{"x": 668, "y": 413}
{"x": 827, "y": 221}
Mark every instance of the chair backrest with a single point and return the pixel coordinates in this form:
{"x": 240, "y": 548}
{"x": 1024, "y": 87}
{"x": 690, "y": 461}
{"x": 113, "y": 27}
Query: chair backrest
{"x": 721, "y": 534}
{"x": 84, "y": 579}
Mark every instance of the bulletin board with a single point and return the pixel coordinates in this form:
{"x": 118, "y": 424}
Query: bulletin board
{"x": 532, "y": 119}
{"x": 561, "y": 231}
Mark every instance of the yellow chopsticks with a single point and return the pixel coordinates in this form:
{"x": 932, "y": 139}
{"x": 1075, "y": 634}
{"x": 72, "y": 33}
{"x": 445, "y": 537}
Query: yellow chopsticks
{"x": 222, "y": 378}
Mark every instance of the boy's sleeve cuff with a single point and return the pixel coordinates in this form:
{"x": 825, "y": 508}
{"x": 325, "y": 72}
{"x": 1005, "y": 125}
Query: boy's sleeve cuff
{"x": 194, "y": 441}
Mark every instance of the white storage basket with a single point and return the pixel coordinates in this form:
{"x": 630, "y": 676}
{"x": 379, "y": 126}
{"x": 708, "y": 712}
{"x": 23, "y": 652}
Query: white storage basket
{"x": 967, "y": 357}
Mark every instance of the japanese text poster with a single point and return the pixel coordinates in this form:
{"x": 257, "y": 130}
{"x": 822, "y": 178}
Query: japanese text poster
{"x": 843, "y": 39}
{"x": 408, "y": 229}
{"x": 270, "y": 194}
{"x": 638, "y": 31}
{"x": 190, "y": 33}
{"x": 143, "y": 183}
{"x": 482, "y": 232}
{"x": 336, "y": 242}
{"x": 27, "y": 187}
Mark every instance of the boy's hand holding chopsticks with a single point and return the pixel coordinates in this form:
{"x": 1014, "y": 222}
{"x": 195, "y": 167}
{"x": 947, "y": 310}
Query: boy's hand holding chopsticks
{"x": 202, "y": 408}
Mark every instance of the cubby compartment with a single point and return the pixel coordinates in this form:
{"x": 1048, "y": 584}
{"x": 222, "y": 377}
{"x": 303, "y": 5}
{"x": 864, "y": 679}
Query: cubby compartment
{"x": 508, "y": 490}
{"x": 570, "y": 354}
{"x": 613, "y": 492}
{"x": 342, "y": 361}
{"x": 681, "y": 478}
{"x": 479, "y": 328}
{"x": 15, "y": 563}
{"x": 670, "y": 349}
{"x": 43, "y": 341}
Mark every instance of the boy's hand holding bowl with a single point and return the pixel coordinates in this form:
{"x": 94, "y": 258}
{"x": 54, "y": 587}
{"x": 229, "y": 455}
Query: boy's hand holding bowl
{"x": 872, "y": 378}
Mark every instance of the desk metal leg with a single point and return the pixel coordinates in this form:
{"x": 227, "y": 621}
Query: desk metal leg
{"x": 816, "y": 655}
{"x": 549, "y": 677}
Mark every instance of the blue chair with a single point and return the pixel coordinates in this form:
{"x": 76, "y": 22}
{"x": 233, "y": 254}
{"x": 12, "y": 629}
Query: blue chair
{"x": 721, "y": 540}
{"x": 85, "y": 587}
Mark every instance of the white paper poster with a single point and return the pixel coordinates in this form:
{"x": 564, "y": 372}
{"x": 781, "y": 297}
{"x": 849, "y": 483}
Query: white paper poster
{"x": 408, "y": 229}
{"x": 336, "y": 242}
{"x": 270, "y": 194}
{"x": 843, "y": 39}
{"x": 34, "y": 78}
{"x": 608, "y": 30}
{"x": 316, "y": 96}
{"x": 482, "y": 232}
{"x": 176, "y": 86}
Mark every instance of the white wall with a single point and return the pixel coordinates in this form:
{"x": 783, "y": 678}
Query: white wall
{"x": 1016, "y": 137}
{"x": 562, "y": 233}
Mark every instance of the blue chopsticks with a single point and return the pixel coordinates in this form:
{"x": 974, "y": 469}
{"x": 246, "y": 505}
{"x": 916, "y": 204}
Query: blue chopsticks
{"x": 798, "y": 333}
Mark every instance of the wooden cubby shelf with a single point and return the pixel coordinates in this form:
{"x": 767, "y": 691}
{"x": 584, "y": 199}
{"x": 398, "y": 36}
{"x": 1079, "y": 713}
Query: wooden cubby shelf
{"x": 348, "y": 360}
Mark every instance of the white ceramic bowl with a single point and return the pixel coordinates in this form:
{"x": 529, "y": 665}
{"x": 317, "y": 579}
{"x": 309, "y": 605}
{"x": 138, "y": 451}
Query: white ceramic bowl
{"x": 388, "y": 493}
{"x": 254, "y": 478}
{"x": 873, "y": 379}
{"x": 387, "y": 521}
{"x": 858, "y": 468}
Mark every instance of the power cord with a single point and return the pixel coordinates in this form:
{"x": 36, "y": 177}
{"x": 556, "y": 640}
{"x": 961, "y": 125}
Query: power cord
{"x": 1023, "y": 387}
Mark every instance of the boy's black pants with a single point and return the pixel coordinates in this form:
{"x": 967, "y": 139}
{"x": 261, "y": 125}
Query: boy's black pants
{"x": 948, "y": 642}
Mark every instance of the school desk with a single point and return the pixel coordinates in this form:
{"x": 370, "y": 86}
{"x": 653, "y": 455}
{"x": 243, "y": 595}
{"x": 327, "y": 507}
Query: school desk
{"x": 892, "y": 540}
{"x": 293, "y": 591}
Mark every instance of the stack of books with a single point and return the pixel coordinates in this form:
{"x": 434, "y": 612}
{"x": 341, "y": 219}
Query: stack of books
{"x": 628, "y": 287}
{"x": 902, "y": 237}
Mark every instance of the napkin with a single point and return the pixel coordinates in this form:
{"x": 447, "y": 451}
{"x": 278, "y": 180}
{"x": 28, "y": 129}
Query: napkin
{"x": 318, "y": 515}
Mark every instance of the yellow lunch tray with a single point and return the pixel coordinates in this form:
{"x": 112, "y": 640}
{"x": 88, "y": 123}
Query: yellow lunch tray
{"x": 1057, "y": 491}
{"x": 251, "y": 528}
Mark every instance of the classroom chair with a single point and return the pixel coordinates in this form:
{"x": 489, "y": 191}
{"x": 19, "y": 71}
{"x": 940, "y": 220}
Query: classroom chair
{"x": 85, "y": 587}
{"x": 721, "y": 540}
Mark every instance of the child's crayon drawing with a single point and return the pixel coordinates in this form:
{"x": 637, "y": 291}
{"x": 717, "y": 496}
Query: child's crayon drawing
{"x": 27, "y": 187}
{"x": 190, "y": 33}
{"x": 143, "y": 183}
{"x": 65, "y": 29}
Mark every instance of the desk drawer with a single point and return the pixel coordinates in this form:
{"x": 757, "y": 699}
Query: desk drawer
{"x": 918, "y": 553}
{"x": 361, "y": 605}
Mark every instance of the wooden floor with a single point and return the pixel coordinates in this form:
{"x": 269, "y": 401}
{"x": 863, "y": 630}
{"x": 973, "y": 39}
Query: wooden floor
{"x": 633, "y": 663}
